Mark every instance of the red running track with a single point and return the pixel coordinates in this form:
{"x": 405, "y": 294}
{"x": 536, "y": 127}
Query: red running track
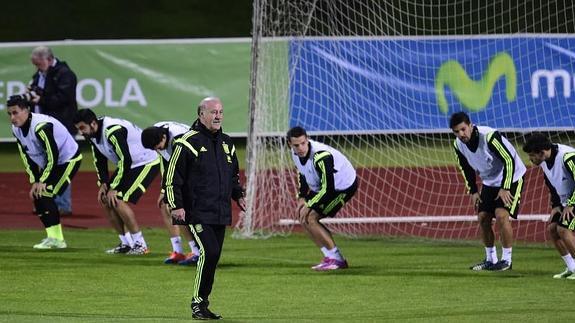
{"x": 399, "y": 192}
{"x": 16, "y": 207}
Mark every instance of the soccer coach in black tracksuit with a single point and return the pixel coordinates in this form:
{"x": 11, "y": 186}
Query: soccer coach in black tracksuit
{"x": 201, "y": 180}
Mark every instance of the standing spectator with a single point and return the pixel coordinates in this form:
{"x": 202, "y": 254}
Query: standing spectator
{"x": 201, "y": 180}
{"x": 558, "y": 164}
{"x": 51, "y": 158}
{"x": 161, "y": 138}
{"x": 54, "y": 93}
{"x": 485, "y": 151}
{"x": 119, "y": 141}
{"x": 327, "y": 180}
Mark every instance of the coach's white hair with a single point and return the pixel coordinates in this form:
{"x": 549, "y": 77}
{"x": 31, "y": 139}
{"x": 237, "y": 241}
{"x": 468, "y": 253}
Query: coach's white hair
{"x": 204, "y": 103}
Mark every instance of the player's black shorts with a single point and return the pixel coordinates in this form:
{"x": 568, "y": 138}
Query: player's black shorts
{"x": 566, "y": 224}
{"x": 490, "y": 202}
{"x": 335, "y": 201}
{"x": 136, "y": 180}
{"x": 61, "y": 176}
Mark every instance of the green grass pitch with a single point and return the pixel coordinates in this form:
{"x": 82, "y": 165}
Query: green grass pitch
{"x": 391, "y": 280}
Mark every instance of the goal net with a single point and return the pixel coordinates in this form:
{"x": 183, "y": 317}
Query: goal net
{"x": 378, "y": 80}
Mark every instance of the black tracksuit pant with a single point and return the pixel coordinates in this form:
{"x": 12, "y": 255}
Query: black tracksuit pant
{"x": 210, "y": 238}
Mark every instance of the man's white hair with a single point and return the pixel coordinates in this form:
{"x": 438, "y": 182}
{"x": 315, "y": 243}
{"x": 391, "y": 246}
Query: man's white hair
{"x": 42, "y": 52}
{"x": 203, "y": 104}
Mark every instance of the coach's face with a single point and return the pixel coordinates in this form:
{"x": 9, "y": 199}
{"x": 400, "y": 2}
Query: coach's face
{"x": 88, "y": 130}
{"x": 300, "y": 145}
{"x": 18, "y": 115}
{"x": 463, "y": 131}
{"x": 212, "y": 115}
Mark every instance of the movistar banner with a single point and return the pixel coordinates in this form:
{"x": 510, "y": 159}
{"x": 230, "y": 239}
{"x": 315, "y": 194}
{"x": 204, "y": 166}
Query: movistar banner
{"x": 142, "y": 81}
{"x": 415, "y": 84}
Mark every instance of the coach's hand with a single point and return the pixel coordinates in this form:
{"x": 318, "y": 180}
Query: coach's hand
{"x": 476, "y": 199}
{"x": 178, "y": 214}
{"x": 112, "y": 198}
{"x": 567, "y": 214}
{"x": 242, "y": 203}
{"x": 505, "y": 197}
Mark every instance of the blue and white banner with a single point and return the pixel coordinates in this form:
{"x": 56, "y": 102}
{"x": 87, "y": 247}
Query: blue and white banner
{"x": 415, "y": 84}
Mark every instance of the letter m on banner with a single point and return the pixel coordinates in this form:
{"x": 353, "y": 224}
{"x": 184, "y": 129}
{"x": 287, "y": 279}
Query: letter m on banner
{"x": 475, "y": 95}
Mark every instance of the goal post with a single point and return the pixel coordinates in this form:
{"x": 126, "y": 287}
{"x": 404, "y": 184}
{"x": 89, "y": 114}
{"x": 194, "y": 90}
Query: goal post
{"x": 378, "y": 80}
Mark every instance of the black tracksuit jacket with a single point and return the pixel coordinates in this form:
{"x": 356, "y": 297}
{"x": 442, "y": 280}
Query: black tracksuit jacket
{"x": 203, "y": 176}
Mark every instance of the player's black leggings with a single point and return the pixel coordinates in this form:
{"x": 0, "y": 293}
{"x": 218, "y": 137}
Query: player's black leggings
{"x": 210, "y": 238}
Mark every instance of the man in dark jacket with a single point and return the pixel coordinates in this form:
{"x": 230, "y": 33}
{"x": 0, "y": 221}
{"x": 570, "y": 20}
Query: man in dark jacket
{"x": 201, "y": 179}
{"x": 55, "y": 85}
{"x": 53, "y": 89}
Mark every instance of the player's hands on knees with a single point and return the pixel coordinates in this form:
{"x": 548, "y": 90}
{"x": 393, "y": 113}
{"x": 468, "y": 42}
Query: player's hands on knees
{"x": 32, "y": 193}
{"x": 165, "y": 208}
{"x": 302, "y": 211}
{"x": 160, "y": 202}
{"x": 553, "y": 212}
{"x": 300, "y": 204}
{"x": 37, "y": 190}
{"x": 567, "y": 214}
{"x": 112, "y": 198}
{"x": 505, "y": 197}
{"x": 303, "y": 214}
{"x": 102, "y": 194}
{"x": 162, "y": 205}
{"x": 178, "y": 214}
{"x": 476, "y": 199}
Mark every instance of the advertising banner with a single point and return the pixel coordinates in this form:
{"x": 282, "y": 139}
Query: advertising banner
{"x": 414, "y": 84}
{"x": 142, "y": 81}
